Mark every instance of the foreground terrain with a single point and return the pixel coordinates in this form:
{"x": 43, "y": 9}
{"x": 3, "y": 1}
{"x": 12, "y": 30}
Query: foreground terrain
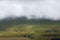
{"x": 14, "y": 38}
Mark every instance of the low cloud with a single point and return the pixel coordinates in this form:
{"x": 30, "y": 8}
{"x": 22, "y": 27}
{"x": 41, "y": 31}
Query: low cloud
{"x": 36, "y": 8}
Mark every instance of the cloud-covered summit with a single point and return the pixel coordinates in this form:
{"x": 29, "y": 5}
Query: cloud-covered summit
{"x": 37, "y": 8}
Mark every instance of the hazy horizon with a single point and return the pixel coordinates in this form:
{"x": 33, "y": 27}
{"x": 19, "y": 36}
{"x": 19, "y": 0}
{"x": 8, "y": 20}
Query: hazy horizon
{"x": 37, "y": 8}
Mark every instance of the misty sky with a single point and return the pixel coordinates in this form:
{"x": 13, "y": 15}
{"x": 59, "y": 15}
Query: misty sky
{"x": 36, "y": 8}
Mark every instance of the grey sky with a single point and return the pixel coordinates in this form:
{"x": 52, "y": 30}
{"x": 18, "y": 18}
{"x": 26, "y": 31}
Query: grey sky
{"x": 37, "y": 8}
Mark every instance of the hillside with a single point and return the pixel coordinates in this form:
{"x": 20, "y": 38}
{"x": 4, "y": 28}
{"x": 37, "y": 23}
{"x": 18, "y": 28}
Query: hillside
{"x": 32, "y": 28}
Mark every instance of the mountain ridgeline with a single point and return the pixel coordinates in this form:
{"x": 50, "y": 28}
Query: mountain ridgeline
{"x": 9, "y": 22}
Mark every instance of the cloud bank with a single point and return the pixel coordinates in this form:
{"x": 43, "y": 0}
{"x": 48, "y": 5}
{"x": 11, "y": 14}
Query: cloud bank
{"x": 36, "y": 8}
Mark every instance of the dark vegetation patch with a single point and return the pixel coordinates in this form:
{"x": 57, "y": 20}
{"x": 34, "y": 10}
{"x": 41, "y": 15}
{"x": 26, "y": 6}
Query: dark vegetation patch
{"x": 55, "y": 39}
{"x": 51, "y": 35}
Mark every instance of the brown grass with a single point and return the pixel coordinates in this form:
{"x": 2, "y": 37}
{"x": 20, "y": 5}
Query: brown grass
{"x": 14, "y": 38}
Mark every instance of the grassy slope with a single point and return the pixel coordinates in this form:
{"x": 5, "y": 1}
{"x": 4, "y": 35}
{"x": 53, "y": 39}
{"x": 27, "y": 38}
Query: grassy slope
{"x": 34, "y": 28}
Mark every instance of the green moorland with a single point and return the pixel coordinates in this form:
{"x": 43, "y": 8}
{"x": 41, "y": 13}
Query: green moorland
{"x": 35, "y": 29}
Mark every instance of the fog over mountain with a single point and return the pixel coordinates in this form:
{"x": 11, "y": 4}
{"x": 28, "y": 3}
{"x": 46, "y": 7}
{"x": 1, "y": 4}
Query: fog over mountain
{"x": 30, "y": 8}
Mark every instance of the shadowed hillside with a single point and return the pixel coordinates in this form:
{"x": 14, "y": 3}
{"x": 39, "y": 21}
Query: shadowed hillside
{"x": 8, "y": 22}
